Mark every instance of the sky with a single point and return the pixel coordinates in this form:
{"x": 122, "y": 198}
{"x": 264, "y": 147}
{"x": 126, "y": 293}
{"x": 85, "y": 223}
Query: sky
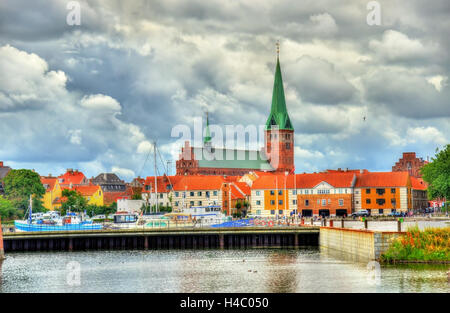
{"x": 95, "y": 96}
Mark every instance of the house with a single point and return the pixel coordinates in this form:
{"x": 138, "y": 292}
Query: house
{"x": 419, "y": 196}
{"x": 52, "y": 192}
{"x": 73, "y": 177}
{"x": 383, "y": 192}
{"x": 112, "y": 186}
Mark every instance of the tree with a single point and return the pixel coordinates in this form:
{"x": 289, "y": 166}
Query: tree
{"x": 437, "y": 175}
{"x": 7, "y": 210}
{"x": 20, "y": 184}
{"x": 74, "y": 202}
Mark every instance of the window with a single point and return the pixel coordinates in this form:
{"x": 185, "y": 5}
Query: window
{"x": 324, "y": 202}
{"x": 280, "y": 202}
{"x": 367, "y": 201}
{"x": 294, "y": 201}
{"x": 280, "y": 192}
{"x": 258, "y": 193}
{"x": 380, "y": 211}
{"x": 199, "y": 193}
{"x": 191, "y": 203}
{"x": 380, "y": 191}
{"x": 357, "y": 192}
{"x": 258, "y": 202}
{"x": 199, "y": 203}
{"x": 381, "y": 201}
{"x": 357, "y": 202}
{"x": 294, "y": 192}
{"x": 392, "y": 190}
{"x": 288, "y": 145}
{"x": 280, "y": 211}
{"x": 306, "y": 202}
{"x": 341, "y": 202}
{"x": 258, "y": 212}
{"x": 191, "y": 193}
{"x": 393, "y": 202}
{"x": 207, "y": 194}
{"x": 176, "y": 203}
{"x": 177, "y": 194}
{"x": 272, "y": 202}
{"x": 272, "y": 212}
{"x": 272, "y": 192}
{"x": 215, "y": 192}
{"x": 368, "y": 191}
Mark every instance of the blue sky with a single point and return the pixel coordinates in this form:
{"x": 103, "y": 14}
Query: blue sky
{"x": 95, "y": 96}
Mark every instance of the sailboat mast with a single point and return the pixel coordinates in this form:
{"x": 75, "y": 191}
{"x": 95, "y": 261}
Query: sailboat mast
{"x": 156, "y": 183}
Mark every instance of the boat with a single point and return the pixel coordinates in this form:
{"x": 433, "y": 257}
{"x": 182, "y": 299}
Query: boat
{"x": 51, "y": 221}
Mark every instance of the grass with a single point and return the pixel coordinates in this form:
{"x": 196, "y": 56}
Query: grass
{"x": 429, "y": 245}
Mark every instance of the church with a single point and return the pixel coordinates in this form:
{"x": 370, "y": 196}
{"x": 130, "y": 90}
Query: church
{"x": 277, "y": 155}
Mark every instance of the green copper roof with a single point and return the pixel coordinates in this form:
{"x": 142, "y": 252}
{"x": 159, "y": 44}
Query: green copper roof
{"x": 207, "y": 133}
{"x": 231, "y": 158}
{"x": 278, "y": 112}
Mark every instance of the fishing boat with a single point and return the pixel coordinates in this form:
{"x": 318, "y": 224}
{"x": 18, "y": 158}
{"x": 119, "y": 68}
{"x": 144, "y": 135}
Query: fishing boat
{"x": 53, "y": 222}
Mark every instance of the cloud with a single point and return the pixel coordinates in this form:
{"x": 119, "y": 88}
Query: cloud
{"x": 123, "y": 172}
{"x": 426, "y": 135}
{"x": 100, "y": 102}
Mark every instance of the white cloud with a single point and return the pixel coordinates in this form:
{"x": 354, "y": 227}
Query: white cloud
{"x": 100, "y": 102}
{"x": 123, "y": 172}
{"x": 426, "y": 135}
{"x": 438, "y": 81}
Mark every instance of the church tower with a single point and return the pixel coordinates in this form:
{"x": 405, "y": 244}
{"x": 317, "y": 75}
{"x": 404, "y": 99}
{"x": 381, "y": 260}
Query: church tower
{"x": 279, "y": 133}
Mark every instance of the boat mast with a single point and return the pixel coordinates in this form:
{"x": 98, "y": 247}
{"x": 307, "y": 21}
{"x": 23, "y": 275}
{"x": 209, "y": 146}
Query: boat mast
{"x": 30, "y": 210}
{"x": 156, "y": 183}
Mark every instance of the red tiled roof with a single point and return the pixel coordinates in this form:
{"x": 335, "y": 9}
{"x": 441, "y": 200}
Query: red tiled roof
{"x": 273, "y": 181}
{"x": 243, "y": 187}
{"x": 418, "y": 183}
{"x": 162, "y": 182}
{"x": 72, "y": 177}
{"x": 335, "y": 179}
{"x": 382, "y": 179}
{"x": 199, "y": 182}
{"x": 49, "y": 181}
{"x": 85, "y": 190}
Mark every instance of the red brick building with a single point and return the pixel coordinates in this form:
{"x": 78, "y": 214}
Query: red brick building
{"x": 409, "y": 163}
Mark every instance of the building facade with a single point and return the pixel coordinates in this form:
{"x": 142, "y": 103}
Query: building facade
{"x": 409, "y": 163}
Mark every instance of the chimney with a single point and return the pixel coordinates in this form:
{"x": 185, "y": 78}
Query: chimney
{"x": 1, "y": 163}
{"x": 104, "y": 176}
{"x": 49, "y": 175}
{"x": 70, "y": 170}
{"x": 361, "y": 171}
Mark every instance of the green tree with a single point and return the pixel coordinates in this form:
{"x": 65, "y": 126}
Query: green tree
{"x": 75, "y": 201}
{"x": 437, "y": 175}
{"x": 7, "y": 210}
{"x": 20, "y": 184}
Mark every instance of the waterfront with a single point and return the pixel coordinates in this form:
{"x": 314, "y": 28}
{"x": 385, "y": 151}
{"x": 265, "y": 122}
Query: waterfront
{"x": 244, "y": 270}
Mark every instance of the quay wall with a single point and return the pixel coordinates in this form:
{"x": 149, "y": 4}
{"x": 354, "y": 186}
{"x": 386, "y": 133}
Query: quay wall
{"x": 164, "y": 239}
{"x": 361, "y": 244}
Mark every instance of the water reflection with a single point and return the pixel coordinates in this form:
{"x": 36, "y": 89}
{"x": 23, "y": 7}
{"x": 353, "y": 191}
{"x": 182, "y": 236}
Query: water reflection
{"x": 252, "y": 270}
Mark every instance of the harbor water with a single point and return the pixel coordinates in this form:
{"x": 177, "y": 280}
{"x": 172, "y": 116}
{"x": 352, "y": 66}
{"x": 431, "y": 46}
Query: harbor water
{"x": 245, "y": 270}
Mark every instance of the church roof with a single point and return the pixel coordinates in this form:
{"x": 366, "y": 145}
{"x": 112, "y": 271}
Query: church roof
{"x": 231, "y": 158}
{"x": 278, "y": 112}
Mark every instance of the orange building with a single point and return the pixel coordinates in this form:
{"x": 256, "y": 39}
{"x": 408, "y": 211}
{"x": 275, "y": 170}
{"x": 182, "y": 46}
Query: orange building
{"x": 383, "y": 192}
{"x": 325, "y": 194}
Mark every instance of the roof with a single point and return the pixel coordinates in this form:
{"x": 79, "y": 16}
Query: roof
{"x": 72, "y": 177}
{"x": 161, "y": 181}
{"x": 86, "y": 190}
{"x": 335, "y": 179}
{"x": 278, "y": 113}
{"x": 418, "y": 183}
{"x": 4, "y": 170}
{"x": 382, "y": 179}
{"x": 231, "y": 158}
{"x": 107, "y": 178}
{"x": 199, "y": 182}
{"x": 49, "y": 182}
{"x": 274, "y": 181}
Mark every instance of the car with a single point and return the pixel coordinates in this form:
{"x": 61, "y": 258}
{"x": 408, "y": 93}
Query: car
{"x": 360, "y": 213}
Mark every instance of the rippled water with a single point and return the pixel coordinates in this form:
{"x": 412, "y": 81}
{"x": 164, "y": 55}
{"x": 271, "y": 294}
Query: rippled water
{"x": 253, "y": 270}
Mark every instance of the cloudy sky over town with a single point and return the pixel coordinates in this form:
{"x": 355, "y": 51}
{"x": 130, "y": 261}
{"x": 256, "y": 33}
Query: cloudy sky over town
{"x": 94, "y": 96}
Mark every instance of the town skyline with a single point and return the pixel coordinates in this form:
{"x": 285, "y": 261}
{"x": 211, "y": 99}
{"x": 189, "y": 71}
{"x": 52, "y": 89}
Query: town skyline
{"x": 126, "y": 75}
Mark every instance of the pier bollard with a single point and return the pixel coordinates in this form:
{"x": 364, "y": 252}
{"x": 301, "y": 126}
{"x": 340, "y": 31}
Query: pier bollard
{"x": 399, "y": 226}
{"x": 366, "y": 226}
{"x": 342, "y": 223}
{"x": 331, "y": 223}
{"x": 221, "y": 241}
{"x": 303, "y": 221}
{"x": 2, "y": 251}
{"x": 312, "y": 221}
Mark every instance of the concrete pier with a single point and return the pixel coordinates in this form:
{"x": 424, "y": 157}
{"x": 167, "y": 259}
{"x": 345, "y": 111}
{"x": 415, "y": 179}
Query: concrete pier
{"x": 182, "y": 238}
{"x": 362, "y": 245}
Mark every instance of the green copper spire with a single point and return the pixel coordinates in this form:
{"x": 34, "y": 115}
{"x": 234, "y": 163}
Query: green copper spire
{"x": 207, "y": 138}
{"x": 278, "y": 113}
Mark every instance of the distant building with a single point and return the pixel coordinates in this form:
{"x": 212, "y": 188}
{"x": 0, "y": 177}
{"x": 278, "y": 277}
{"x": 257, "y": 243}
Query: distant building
{"x": 409, "y": 163}
{"x": 73, "y": 178}
{"x": 51, "y": 199}
{"x": 109, "y": 182}
{"x": 4, "y": 170}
